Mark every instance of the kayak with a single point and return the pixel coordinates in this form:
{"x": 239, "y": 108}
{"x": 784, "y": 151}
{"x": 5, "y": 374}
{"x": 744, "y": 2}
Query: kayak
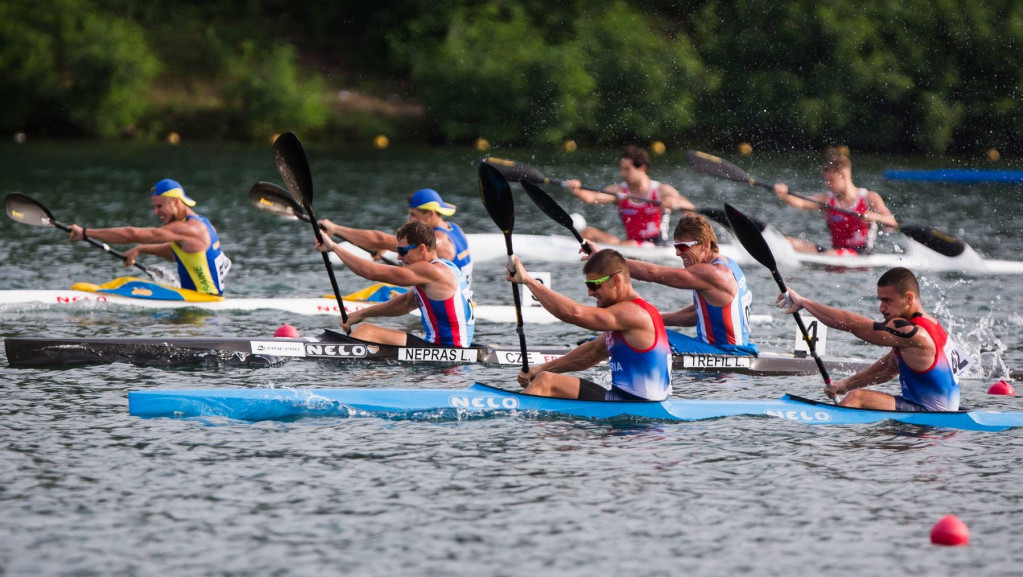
{"x": 481, "y": 400}
{"x": 957, "y": 175}
{"x": 915, "y": 256}
{"x": 127, "y": 294}
{"x": 336, "y": 346}
{"x": 486, "y": 247}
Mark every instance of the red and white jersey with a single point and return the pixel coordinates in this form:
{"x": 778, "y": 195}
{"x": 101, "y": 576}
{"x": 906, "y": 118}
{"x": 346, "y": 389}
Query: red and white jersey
{"x": 848, "y": 231}
{"x": 642, "y": 220}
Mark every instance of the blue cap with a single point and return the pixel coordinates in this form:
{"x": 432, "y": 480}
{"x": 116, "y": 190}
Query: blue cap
{"x": 171, "y": 189}
{"x": 429, "y": 199}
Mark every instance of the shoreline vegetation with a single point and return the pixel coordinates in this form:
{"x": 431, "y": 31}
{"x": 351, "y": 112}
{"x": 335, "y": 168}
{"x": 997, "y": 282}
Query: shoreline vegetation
{"x": 915, "y": 76}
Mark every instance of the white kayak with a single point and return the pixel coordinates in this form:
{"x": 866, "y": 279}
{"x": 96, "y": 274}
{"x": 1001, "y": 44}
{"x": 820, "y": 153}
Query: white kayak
{"x": 82, "y": 300}
{"x": 559, "y": 248}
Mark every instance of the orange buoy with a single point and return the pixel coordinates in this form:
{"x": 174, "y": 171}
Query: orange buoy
{"x": 949, "y": 530}
{"x": 286, "y": 331}
{"x": 1002, "y": 388}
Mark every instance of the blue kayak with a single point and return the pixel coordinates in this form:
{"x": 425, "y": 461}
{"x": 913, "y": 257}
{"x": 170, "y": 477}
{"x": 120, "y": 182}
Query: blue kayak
{"x": 483, "y": 400}
{"x": 957, "y": 175}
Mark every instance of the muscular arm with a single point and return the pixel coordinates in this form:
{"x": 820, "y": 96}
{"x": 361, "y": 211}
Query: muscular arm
{"x": 592, "y": 197}
{"x": 681, "y": 318}
{"x": 715, "y": 283}
{"x": 878, "y": 211}
{"x": 671, "y": 199}
{"x": 582, "y": 357}
{"x": 882, "y": 371}
{"x": 371, "y": 240}
{"x": 781, "y": 190}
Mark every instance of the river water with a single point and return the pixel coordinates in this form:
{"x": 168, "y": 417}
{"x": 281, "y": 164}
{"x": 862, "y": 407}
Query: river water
{"x": 89, "y": 490}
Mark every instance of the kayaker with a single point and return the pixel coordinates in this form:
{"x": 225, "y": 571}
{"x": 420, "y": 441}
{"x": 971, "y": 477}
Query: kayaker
{"x": 439, "y": 291}
{"x": 646, "y": 223}
{"x": 426, "y": 205}
{"x": 185, "y": 237}
{"x": 923, "y": 356}
{"x": 850, "y": 234}
{"x": 721, "y": 299}
{"x": 634, "y": 340}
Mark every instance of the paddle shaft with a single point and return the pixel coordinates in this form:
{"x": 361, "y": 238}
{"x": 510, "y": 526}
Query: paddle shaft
{"x": 294, "y": 168}
{"x": 495, "y": 192}
{"x": 105, "y": 247}
{"x": 745, "y": 229}
{"x": 802, "y": 329}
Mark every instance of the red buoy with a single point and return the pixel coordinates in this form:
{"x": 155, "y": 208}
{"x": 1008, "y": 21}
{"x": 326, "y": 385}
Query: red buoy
{"x": 1002, "y": 388}
{"x": 949, "y": 530}
{"x": 286, "y": 330}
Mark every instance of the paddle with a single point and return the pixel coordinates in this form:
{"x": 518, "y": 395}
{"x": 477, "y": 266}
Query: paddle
{"x": 27, "y": 210}
{"x": 271, "y": 198}
{"x": 517, "y": 171}
{"x": 939, "y": 242}
{"x": 552, "y": 209}
{"x": 497, "y": 198}
{"x": 294, "y": 168}
{"x": 746, "y": 231}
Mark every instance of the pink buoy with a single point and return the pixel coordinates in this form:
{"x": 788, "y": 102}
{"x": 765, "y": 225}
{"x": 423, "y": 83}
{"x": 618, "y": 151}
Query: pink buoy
{"x": 949, "y": 530}
{"x": 287, "y": 331}
{"x": 1002, "y": 388}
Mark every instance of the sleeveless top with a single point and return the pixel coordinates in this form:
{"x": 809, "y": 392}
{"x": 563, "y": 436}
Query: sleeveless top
{"x": 645, "y": 373}
{"x": 462, "y": 259}
{"x": 850, "y": 232}
{"x": 203, "y": 271}
{"x": 937, "y": 387}
{"x": 642, "y": 220}
{"x": 449, "y": 322}
{"x": 727, "y": 325}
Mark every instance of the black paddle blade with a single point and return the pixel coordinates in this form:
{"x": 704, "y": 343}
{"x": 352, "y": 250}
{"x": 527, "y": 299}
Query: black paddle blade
{"x": 497, "y": 198}
{"x": 294, "y": 167}
{"x": 516, "y": 171}
{"x": 271, "y": 198}
{"x": 719, "y": 167}
{"x": 935, "y": 240}
{"x": 749, "y": 237}
{"x": 549, "y": 206}
{"x": 27, "y": 210}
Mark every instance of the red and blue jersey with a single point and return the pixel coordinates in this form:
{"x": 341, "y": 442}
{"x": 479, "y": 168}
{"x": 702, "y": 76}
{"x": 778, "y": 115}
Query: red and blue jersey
{"x": 937, "y": 387}
{"x": 643, "y": 373}
{"x": 727, "y": 325}
{"x": 848, "y": 231}
{"x": 449, "y": 322}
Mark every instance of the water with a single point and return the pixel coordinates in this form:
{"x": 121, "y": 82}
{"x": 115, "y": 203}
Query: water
{"x": 88, "y": 490}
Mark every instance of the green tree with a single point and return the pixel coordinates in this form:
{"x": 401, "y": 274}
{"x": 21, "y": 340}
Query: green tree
{"x": 69, "y": 68}
{"x": 494, "y": 75}
{"x": 266, "y": 93}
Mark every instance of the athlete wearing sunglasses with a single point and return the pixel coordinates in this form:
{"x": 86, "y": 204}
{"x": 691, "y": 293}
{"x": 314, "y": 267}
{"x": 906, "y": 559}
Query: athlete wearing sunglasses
{"x": 439, "y": 291}
{"x": 721, "y": 299}
{"x": 426, "y": 206}
{"x": 634, "y": 338}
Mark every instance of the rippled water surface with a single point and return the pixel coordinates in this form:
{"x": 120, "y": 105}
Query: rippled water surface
{"x": 88, "y": 490}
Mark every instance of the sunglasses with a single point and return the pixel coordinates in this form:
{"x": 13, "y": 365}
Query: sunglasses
{"x": 685, "y": 246}
{"x": 403, "y": 250}
{"x": 595, "y": 283}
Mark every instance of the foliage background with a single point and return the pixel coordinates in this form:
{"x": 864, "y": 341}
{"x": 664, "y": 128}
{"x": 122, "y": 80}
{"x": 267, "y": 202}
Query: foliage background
{"x": 912, "y": 76}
